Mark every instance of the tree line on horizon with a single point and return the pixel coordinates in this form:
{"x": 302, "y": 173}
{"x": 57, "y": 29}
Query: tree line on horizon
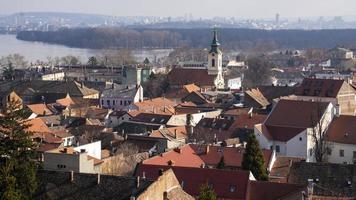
{"x": 236, "y": 39}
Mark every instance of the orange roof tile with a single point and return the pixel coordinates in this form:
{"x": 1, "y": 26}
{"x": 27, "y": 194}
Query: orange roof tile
{"x": 65, "y": 101}
{"x": 342, "y": 130}
{"x": 197, "y": 155}
{"x": 37, "y": 126}
{"x": 157, "y": 105}
{"x": 40, "y": 109}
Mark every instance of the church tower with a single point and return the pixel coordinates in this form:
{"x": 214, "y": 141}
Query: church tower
{"x": 215, "y": 62}
{"x": 215, "y": 57}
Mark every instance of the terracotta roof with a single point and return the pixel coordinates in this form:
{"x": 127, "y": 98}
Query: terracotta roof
{"x": 319, "y": 87}
{"x": 248, "y": 121}
{"x": 37, "y": 126}
{"x": 181, "y": 76}
{"x": 157, "y": 105}
{"x": 191, "y": 88}
{"x": 40, "y": 109}
{"x": 196, "y": 97}
{"x": 96, "y": 113}
{"x": 284, "y": 123}
{"x": 67, "y": 101}
{"x": 197, "y": 155}
{"x": 281, "y": 167}
{"x": 181, "y": 131}
{"x": 182, "y": 92}
{"x": 342, "y": 130}
{"x": 262, "y": 190}
{"x": 226, "y": 184}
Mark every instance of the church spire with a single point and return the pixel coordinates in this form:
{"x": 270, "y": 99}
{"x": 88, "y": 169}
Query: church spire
{"x": 215, "y": 44}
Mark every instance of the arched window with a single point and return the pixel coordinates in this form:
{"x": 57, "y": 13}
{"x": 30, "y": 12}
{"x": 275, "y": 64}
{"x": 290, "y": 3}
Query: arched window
{"x": 213, "y": 62}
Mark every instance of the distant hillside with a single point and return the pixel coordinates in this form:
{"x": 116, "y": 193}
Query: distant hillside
{"x": 98, "y": 38}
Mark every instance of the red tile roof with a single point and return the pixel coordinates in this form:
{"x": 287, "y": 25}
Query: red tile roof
{"x": 290, "y": 117}
{"x": 222, "y": 181}
{"x": 181, "y": 131}
{"x": 36, "y": 125}
{"x": 198, "y": 155}
{"x": 248, "y": 121}
{"x": 319, "y": 87}
{"x": 157, "y": 105}
{"x": 342, "y": 130}
{"x": 200, "y": 77}
{"x": 40, "y": 109}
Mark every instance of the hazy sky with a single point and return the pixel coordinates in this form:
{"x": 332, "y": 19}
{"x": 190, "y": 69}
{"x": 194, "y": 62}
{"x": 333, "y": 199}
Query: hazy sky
{"x": 198, "y": 8}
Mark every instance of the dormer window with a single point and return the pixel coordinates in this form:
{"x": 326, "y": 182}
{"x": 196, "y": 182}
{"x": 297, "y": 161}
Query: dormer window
{"x": 233, "y": 188}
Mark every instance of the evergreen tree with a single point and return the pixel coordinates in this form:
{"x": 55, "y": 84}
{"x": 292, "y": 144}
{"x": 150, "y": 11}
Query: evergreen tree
{"x": 17, "y": 169}
{"x": 206, "y": 193}
{"x": 8, "y": 72}
{"x": 221, "y": 163}
{"x": 93, "y": 61}
{"x": 253, "y": 159}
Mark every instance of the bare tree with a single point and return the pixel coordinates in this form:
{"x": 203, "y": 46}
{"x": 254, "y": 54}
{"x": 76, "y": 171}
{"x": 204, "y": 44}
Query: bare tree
{"x": 322, "y": 147}
{"x": 17, "y": 60}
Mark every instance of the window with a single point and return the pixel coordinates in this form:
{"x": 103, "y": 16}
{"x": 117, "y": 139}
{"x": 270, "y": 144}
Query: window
{"x": 354, "y": 154}
{"x": 122, "y": 118}
{"x": 300, "y": 139}
{"x": 232, "y": 188}
{"x": 102, "y": 102}
{"x": 108, "y": 102}
{"x": 125, "y": 103}
{"x": 342, "y": 153}
{"x": 113, "y": 102}
{"x": 213, "y": 62}
{"x": 271, "y": 147}
{"x": 310, "y": 152}
{"x": 277, "y": 149}
{"x": 120, "y": 102}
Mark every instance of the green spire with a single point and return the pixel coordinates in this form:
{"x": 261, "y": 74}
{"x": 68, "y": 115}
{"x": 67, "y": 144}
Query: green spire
{"x": 215, "y": 44}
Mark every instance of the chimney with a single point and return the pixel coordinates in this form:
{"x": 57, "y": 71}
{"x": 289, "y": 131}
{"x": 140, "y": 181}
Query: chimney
{"x": 160, "y": 172}
{"x": 71, "y": 176}
{"x": 98, "y": 179}
{"x": 175, "y": 133}
{"x": 207, "y": 149}
{"x": 65, "y": 150}
{"x": 143, "y": 175}
{"x": 138, "y": 182}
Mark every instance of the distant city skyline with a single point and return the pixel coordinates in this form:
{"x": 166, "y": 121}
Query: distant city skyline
{"x": 197, "y": 8}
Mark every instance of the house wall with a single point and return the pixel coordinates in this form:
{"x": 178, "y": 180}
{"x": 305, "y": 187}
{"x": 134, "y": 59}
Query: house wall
{"x": 348, "y": 157}
{"x": 117, "y": 120}
{"x": 347, "y": 100}
{"x": 61, "y": 161}
{"x": 57, "y": 76}
{"x": 263, "y": 141}
{"x": 164, "y": 183}
{"x": 298, "y": 145}
{"x": 93, "y": 149}
{"x": 234, "y": 83}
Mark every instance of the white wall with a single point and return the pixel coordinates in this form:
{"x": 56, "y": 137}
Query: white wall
{"x": 93, "y": 149}
{"x": 335, "y": 157}
{"x": 298, "y": 145}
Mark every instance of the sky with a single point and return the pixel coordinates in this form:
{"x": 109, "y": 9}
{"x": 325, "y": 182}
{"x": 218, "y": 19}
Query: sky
{"x": 198, "y": 8}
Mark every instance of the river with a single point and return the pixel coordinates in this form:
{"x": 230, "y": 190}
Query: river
{"x": 34, "y": 51}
